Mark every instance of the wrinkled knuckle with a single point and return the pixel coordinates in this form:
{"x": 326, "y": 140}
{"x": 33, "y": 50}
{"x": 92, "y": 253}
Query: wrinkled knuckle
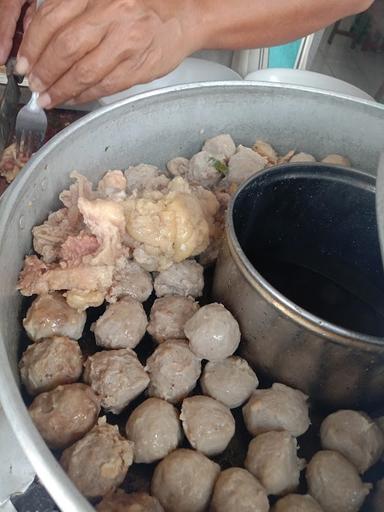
{"x": 66, "y": 44}
{"x": 85, "y": 74}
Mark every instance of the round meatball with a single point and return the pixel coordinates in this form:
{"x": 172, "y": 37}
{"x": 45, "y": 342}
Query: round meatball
{"x": 185, "y": 278}
{"x": 213, "y": 333}
{"x": 65, "y": 414}
{"x": 277, "y": 408}
{"x": 52, "y": 362}
{"x": 297, "y": 503}
{"x": 272, "y": 459}
{"x": 169, "y": 315}
{"x": 184, "y": 480}
{"x": 335, "y": 483}
{"x": 230, "y": 381}
{"x": 336, "y": 160}
{"x": 203, "y": 170}
{"x": 50, "y": 315}
{"x": 221, "y": 146}
{"x": 178, "y": 166}
{"x": 302, "y": 157}
{"x": 117, "y": 377}
{"x": 122, "y": 325}
{"x": 129, "y": 279}
{"x": 173, "y": 370}
{"x": 355, "y": 435}
{"x": 237, "y": 490}
{"x": 119, "y": 501}
{"x": 155, "y": 429}
{"x": 208, "y": 424}
{"x": 99, "y": 462}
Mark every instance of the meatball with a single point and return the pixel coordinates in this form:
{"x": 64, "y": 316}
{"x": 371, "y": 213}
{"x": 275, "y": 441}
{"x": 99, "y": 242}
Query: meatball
{"x": 267, "y": 151}
{"x": 272, "y": 459}
{"x": 185, "y": 278}
{"x": 129, "y": 279}
{"x": 277, "y": 408}
{"x": 155, "y": 429}
{"x": 184, "y": 480}
{"x": 355, "y": 435}
{"x": 336, "y": 160}
{"x": 237, "y": 490}
{"x": 221, "y": 147}
{"x": 119, "y": 501}
{"x": 173, "y": 370}
{"x": 208, "y": 424}
{"x": 244, "y": 164}
{"x": 169, "y": 316}
{"x": 145, "y": 177}
{"x": 202, "y": 170}
{"x": 52, "y": 362}
{"x": 122, "y": 325}
{"x": 117, "y": 377}
{"x": 335, "y": 483}
{"x": 99, "y": 462}
{"x": 297, "y": 503}
{"x": 50, "y": 315}
{"x": 178, "y": 166}
{"x": 302, "y": 157}
{"x": 230, "y": 381}
{"x": 65, "y": 414}
{"x": 213, "y": 333}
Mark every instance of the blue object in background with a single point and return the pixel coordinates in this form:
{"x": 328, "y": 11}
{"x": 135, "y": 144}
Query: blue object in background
{"x": 284, "y": 56}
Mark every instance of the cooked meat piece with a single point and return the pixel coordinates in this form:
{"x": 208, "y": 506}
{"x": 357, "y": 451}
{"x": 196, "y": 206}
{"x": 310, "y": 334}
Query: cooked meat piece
{"x": 52, "y": 362}
{"x": 184, "y": 480}
{"x": 82, "y": 187}
{"x": 220, "y": 147}
{"x": 277, "y": 408}
{"x": 272, "y": 459}
{"x": 297, "y": 503}
{"x": 145, "y": 177}
{"x": 130, "y": 280}
{"x": 265, "y": 150}
{"x": 185, "y": 278}
{"x": 10, "y": 163}
{"x": 49, "y": 315}
{"x": 82, "y": 300}
{"x": 155, "y": 430}
{"x": 119, "y": 501}
{"x": 116, "y": 376}
{"x": 173, "y": 370}
{"x": 113, "y": 185}
{"x": 378, "y": 498}
{"x": 336, "y": 160}
{"x": 302, "y": 157}
{"x": 203, "y": 170}
{"x": 355, "y": 435}
{"x": 213, "y": 333}
{"x": 245, "y": 163}
{"x": 65, "y": 414}
{"x": 178, "y": 166}
{"x": 169, "y": 316}
{"x": 98, "y": 463}
{"x": 230, "y": 381}
{"x": 208, "y": 424}
{"x": 73, "y": 250}
{"x": 237, "y": 490}
{"x": 122, "y": 325}
{"x": 335, "y": 483}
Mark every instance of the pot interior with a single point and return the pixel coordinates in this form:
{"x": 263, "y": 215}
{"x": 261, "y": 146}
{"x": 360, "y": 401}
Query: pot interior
{"x": 310, "y": 231}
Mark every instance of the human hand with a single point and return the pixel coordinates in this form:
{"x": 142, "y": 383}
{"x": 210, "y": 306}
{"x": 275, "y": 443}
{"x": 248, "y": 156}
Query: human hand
{"x": 80, "y": 50}
{"x": 10, "y": 12}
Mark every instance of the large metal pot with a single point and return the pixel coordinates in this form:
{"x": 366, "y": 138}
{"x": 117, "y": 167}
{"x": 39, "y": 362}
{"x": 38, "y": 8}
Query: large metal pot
{"x": 153, "y": 128}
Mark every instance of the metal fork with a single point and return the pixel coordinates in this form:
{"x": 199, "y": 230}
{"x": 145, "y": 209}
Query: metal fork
{"x": 31, "y": 124}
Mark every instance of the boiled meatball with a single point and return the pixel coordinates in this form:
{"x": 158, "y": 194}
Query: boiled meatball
{"x": 50, "y": 315}
{"x": 117, "y": 377}
{"x": 355, "y": 435}
{"x": 277, "y": 408}
{"x": 169, "y": 316}
{"x": 173, "y": 370}
{"x": 129, "y": 279}
{"x": 297, "y": 503}
{"x": 65, "y": 414}
{"x": 155, "y": 429}
{"x": 335, "y": 483}
{"x": 184, "y": 480}
{"x": 336, "y": 160}
{"x": 272, "y": 459}
{"x": 99, "y": 462}
{"x": 213, "y": 333}
{"x": 185, "y": 278}
{"x": 178, "y": 166}
{"x": 145, "y": 177}
{"x": 244, "y": 164}
{"x": 221, "y": 147}
{"x": 267, "y": 151}
{"x": 202, "y": 170}
{"x": 49, "y": 363}
{"x": 208, "y": 424}
{"x": 237, "y": 490}
{"x": 119, "y": 501}
{"x": 122, "y": 325}
{"x": 230, "y": 381}
{"x": 302, "y": 157}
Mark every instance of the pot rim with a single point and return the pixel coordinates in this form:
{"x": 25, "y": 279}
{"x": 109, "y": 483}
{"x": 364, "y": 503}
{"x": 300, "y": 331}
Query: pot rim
{"x": 279, "y": 301}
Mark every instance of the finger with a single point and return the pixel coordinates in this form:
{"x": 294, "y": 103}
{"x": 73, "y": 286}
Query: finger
{"x": 10, "y": 12}
{"x": 29, "y": 15}
{"x": 52, "y": 16}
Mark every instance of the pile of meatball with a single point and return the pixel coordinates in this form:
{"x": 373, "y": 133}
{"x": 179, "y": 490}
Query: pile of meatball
{"x": 185, "y": 395}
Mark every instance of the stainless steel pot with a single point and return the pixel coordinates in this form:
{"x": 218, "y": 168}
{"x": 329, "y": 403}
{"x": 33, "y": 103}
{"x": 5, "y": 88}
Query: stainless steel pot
{"x": 153, "y": 128}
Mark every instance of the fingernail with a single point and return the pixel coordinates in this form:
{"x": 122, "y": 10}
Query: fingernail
{"x": 22, "y": 66}
{"x": 44, "y": 100}
{"x": 35, "y": 84}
